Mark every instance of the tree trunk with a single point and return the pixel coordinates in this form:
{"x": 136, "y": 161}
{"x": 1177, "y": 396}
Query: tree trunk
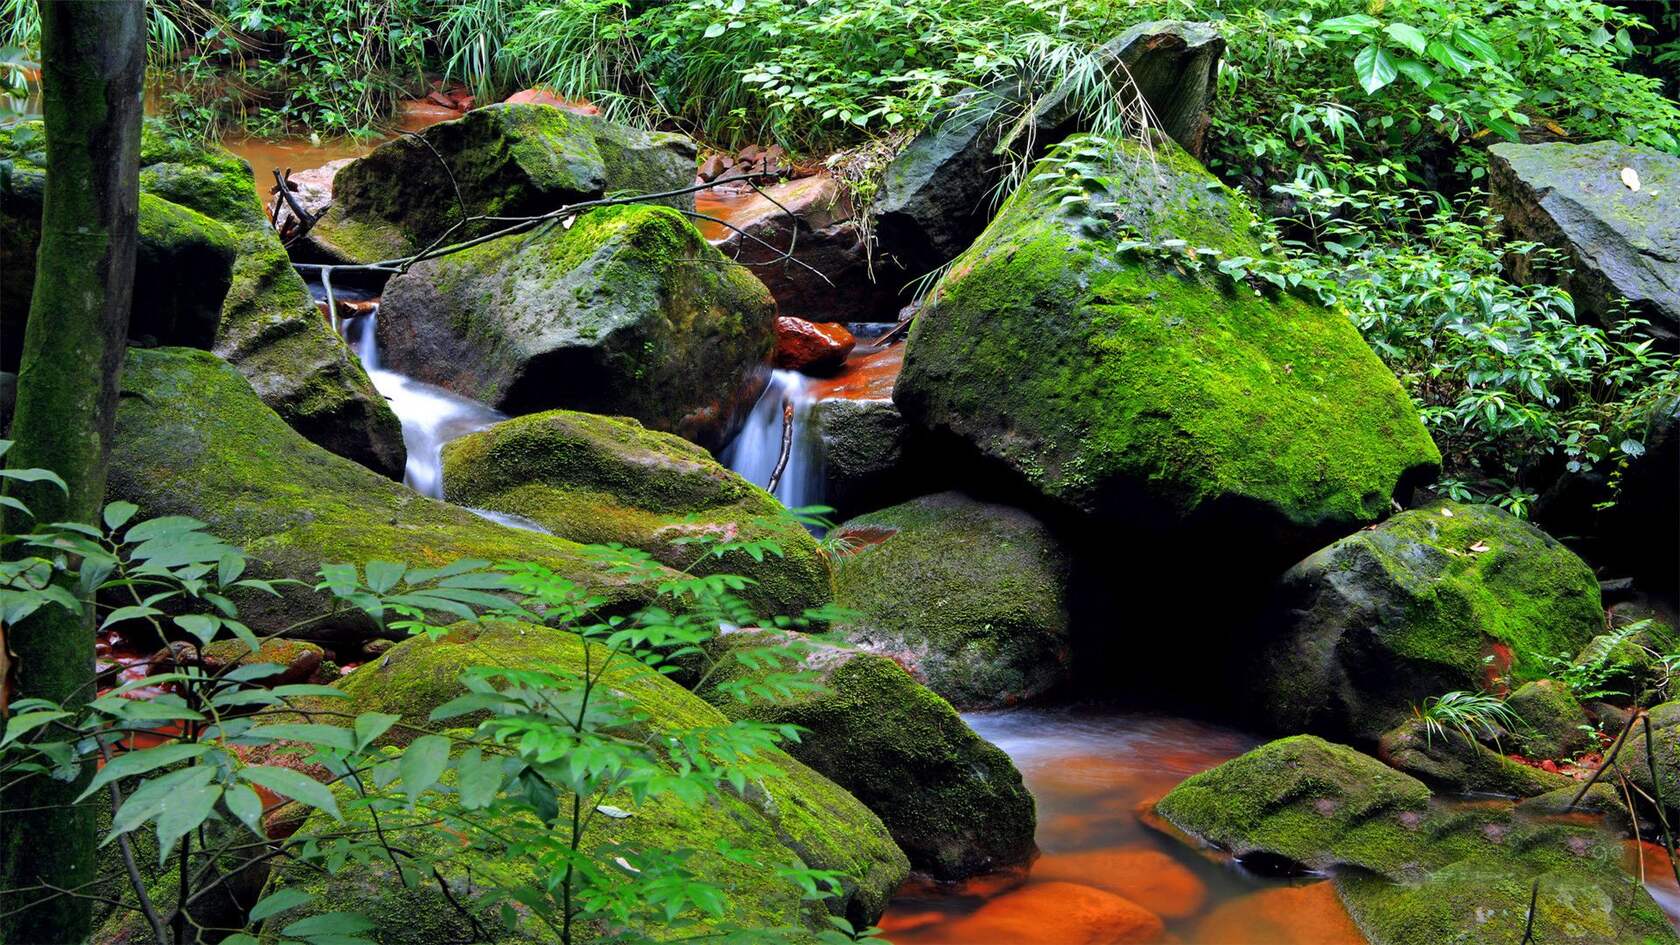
{"x": 93, "y": 58}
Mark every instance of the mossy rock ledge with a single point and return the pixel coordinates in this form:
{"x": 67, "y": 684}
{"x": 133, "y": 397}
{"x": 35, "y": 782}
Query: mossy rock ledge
{"x": 1413, "y": 869}
{"x": 502, "y": 160}
{"x": 628, "y": 311}
{"x": 212, "y": 274}
{"x": 1124, "y": 389}
{"x": 795, "y": 817}
{"x": 1433, "y": 600}
{"x": 193, "y": 439}
{"x": 600, "y": 480}
{"x": 970, "y": 596}
{"x": 954, "y": 802}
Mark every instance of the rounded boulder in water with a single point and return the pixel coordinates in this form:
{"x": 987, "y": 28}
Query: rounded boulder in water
{"x": 812, "y": 347}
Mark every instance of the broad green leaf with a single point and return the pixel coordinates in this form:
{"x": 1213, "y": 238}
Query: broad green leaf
{"x": 148, "y": 800}
{"x": 423, "y": 761}
{"x": 25, "y": 722}
{"x": 313, "y": 734}
{"x": 479, "y": 778}
{"x": 35, "y": 475}
{"x": 1408, "y": 36}
{"x": 1374, "y": 69}
{"x": 156, "y": 527}
{"x": 247, "y": 806}
{"x": 715, "y": 30}
{"x": 129, "y": 764}
{"x": 201, "y": 626}
{"x": 289, "y": 783}
{"x": 329, "y": 923}
{"x": 117, "y": 514}
{"x": 1356, "y": 24}
{"x": 371, "y": 725}
{"x": 184, "y": 810}
{"x": 278, "y": 902}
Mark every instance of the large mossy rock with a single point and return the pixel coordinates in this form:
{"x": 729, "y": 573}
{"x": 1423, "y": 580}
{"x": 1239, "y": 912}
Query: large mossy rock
{"x": 970, "y": 596}
{"x": 1410, "y": 868}
{"x": 258, "y": 314}
{"x": 954, "y": 802}
{"x": 1553, "y": 723}
{"x": 600, "y": 480}
{"x": 795, "y": 817}
{"x": 628, "y": 311}
{"x": 1423, "y": 604}
{"x": 1449, "y": 761}
{"x": 1621, "y": 243}
{"x": 1124, "y": 388}
{"x": 502, "y": 160}
{"x": 1635, "y": 759}
{"x": 193, "y": 439}
{"x": 937, "y": 194}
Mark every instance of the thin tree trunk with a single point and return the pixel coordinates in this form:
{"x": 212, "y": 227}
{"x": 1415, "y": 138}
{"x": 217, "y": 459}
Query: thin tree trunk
{"x": 93, "y": 58}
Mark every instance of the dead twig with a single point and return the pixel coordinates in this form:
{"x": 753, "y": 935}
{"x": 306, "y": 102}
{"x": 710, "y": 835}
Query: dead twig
{"x": 1533, "y": 900}
{"x": 787, "y": 447}
{"x": 282, "y": 186}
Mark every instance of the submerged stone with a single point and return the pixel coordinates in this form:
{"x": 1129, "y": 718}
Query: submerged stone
{"x": 193, "y": 439}
{"x": 1369, "y": 627}
{"x": 1124, "y": 387}
{"x": 970, "y": 596}
{"x": 500, "y": 160}
{"x": 954, "y": 802}
{"x": 1620, "y": 242}
{"x": 789, "y": 817}
{"x": 601, "y": 480}
{"x": 627, "y": 311}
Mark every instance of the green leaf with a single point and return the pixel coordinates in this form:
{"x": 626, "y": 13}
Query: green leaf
{"x": 131, "y": 763}
{"x": 371, "y": 725}
{"x": 312, "y": 734}
{"x": 714, "y": 31}
{"x": 1417, "y": 71}
{"x": 201, "y": 626}
{"x": 1354, "y": 25}
{"x": 1408, "y": 36}
{"x": 35, "y": 475}
{"x": 384, "y": 575}
{"x": 1374, "y": 69}
{"x": 329, "y": 923}
{"x": 24, "y": 722}
{"x": 277, "y": 903}
{"x": 184, "y": 810}
{"x": 117, "y": 514}
{"x": 422, "y": 764}
{"x": 289, "y": 783}
{"x": 157, "y": 527}
{"x": 480, "y": 778}
{"x": 247, "y": 806}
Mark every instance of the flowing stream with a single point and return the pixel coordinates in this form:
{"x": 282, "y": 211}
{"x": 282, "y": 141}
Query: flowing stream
{"x": 757, "y": 449}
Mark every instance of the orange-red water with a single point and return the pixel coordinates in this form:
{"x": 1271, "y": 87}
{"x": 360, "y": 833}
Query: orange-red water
{"x": 1104, "y": 876}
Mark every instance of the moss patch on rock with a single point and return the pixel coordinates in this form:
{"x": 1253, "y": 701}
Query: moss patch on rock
{"x": 953, "y": 801}
{"x": 1377, "y": 622}
{"x": 628, "y": 311}
{"x": 795, "y": 817}
{"x": 600, "y": 480}
{"x": 193, "y": 439}
{"x": 1453, "y": 762}
{"x": 1121, "y": 387}
{"x": 970, "y": 596}
{"x": 1553, "y": 723}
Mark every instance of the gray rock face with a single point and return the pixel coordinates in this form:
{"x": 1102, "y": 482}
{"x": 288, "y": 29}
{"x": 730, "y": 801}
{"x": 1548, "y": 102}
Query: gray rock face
{"x": 938, "y": 194}
{"x": 628, "y": 312}
{"x": 1622, "y": 243}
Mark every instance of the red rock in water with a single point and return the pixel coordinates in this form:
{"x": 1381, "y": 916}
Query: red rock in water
{"x": 1150, "y": 878}
{"x": 545, "y": 97}
{"x": 1287, "y": 915}
{"x": 811, "y": 346}
{"x": 1055, "y": 914}
{"x": 715, "y": 165}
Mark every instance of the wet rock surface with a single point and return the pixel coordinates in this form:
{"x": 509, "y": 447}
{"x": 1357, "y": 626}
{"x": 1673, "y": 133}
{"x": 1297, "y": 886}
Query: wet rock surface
{"x": 812, "y": 347}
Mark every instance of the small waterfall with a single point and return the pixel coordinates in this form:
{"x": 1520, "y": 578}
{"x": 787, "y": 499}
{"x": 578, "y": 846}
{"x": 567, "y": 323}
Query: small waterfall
{"x": 431, "y": 416}
{"x": 757, "y": 449}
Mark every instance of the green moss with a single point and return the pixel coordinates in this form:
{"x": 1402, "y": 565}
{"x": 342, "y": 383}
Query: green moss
{"x": 971, "y": 596}
{"x": 876, "y": 732}
{"x": 193, "y": 439}
{"x": 627, "y": 311}
{"x": 1452, "y": 762}
{"x": 600, "y": 480}
{"x": 790, "y": 817}
{"x": 1131, "y": 389}
{"x": 1552, "y": 721}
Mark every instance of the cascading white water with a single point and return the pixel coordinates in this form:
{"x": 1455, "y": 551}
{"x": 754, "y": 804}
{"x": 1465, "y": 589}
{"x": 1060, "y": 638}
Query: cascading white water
{"x": 431, "y": 416}
{"x": 757, "y": 449}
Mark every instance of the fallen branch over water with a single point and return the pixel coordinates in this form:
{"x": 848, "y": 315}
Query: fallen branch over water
{"x": 787, "y": 446}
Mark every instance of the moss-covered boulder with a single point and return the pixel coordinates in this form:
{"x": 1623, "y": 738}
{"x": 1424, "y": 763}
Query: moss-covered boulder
{"x": 1454, "y": 762}
{"x": 970, "y": 596}
{"x": 1635, "y": 759}
{"x": 193, "y": 439}
{"x": 600, "y": 480}
{"x": 183, "y": 265}
{"x": 1124, "y": 387}
{"x": 1411, "y": 868}
{"x": 1553, "y": 723}
{"x": 500, "y": 160}
{"x": 1305, "y": 800}
{"x": 271, "y": 329}
{"x": 953, "y": 801}
{"x": 258, "y": 314}
{"x": 795, "y": 817}
{"x": 1425, "y": 603}
{"x": 628, "y": 311}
